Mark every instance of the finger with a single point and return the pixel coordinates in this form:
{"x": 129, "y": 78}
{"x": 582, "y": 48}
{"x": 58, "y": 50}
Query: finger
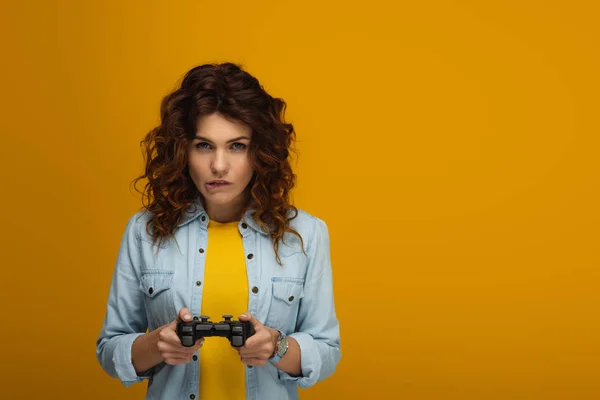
{"x": 169, "y": 335}
{"x": 166, "y": 331}
{"x": 249, "y": 317}
{"x": 259, "y": 353}
{"x": 197, "y": 345}
{"x": 250, "y": 347}
{"x": 178, "y": 347}
{"x": 166, "y": 349}
{"x": 169, "y": 348}
{"x": 259, "y": 339}
{"x": 184, "y": 315}
{"x": 251, "y": 343}
{"x": 189, "y": 350}
{"x": 258, "y": 345}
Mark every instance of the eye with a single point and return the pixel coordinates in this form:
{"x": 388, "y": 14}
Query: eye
{"x": 238, "y": 146}
{"x": 202, "y": 145}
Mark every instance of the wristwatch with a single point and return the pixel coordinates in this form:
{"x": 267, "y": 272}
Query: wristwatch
{"x": 281, "y": 347}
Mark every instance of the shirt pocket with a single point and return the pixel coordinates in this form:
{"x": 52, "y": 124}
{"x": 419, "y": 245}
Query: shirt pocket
{"x": 285, "y": 301}
{"x": 158, "y": 296}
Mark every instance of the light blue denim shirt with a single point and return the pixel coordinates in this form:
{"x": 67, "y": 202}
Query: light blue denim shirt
{"x": 296, "y": 298}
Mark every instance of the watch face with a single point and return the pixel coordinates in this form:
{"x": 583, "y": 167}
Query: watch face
{"x": 283, "y": 347}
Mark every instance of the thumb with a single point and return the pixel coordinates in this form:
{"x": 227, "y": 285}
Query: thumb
{"x": 184, "y": 315}
{"x": 247, "y": 317}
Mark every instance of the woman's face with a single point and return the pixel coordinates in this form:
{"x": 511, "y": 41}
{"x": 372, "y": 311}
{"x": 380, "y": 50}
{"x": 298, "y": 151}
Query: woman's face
{"x": 219, "y": 161}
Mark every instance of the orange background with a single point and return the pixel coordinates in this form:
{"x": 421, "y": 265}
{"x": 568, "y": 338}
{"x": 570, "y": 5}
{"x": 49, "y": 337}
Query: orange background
{"x": 451, "y": 146}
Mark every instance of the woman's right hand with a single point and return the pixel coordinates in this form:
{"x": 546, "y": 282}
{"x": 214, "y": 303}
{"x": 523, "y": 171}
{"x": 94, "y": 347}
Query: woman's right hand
{"x": 169, "y": 345}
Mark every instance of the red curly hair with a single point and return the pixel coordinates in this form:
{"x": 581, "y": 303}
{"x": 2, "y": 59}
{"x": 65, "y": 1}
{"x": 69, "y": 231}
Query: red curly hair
{"x": 232, "y": 92}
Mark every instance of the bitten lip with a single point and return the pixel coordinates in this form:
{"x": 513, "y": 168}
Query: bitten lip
{"x": 218, "y": 182}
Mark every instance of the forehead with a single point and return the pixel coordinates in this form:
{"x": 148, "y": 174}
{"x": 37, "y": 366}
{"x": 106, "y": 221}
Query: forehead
{"x": 217, "y": 127}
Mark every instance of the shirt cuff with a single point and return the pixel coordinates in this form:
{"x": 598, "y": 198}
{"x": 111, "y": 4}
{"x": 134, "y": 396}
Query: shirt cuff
{"x": 310, "y": 361}
{"x": 123, "y": 363}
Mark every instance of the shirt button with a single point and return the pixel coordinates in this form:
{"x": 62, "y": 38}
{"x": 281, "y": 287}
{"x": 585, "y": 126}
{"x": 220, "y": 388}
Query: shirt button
{"x": 195, "y": 357}
{"x": 291, "y": 298}
{"x": 249, "y": 366}
{"x": 203, "y": 219}
{"x": 192, "y": 396}
{"x": 201, "y": 250}
{"x": 150, "y": 290}
{"x": 198, "y": 283}
{"x": 254, "y": 289}
{"x": 244, "y": 225}
{"x": 250, "y": 256}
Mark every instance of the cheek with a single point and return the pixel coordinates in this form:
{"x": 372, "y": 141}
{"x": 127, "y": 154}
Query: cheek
{"x": 196, "y": 168}
{"x": 246, "y": 168}
{"x": 245, "y": 172}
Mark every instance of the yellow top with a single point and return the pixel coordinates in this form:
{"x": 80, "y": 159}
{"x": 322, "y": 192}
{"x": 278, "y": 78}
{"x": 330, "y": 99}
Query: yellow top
{"x": 222, "y": 373}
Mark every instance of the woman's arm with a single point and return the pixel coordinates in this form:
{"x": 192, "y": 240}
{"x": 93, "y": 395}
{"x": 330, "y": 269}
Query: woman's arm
{"x": 290, "y": 363}
{"x": 316, "y": 343}
{"x": 259, "y": 348}
{"x": 163, "y": 345}
{"x": 144, "y": 351}
{"x": 125, "y": 319}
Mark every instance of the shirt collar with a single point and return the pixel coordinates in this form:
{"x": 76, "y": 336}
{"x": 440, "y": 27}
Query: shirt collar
{"x": 196, "y": 210}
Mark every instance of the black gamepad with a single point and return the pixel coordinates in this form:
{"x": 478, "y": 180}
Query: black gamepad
{"x": 236, "y": 331}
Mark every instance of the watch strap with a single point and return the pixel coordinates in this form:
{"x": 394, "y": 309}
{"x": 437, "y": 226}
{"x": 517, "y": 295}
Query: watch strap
{"x": 276, "y": 357}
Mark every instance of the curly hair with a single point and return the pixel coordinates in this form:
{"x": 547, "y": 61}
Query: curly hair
{"x": 232, "y": 92}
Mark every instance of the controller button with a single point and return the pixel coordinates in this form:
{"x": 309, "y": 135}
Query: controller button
{"x": 186, "y": 328}
{"x": 236, "y": 341}
{"x": 187, "y": 341}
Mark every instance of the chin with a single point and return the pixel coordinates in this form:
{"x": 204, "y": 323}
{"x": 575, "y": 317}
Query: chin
{"x": 218, "y": 198}
{"x": 221, "y": 200}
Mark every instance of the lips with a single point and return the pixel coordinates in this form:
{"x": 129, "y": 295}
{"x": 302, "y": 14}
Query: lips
{"x": 217, "y": 184}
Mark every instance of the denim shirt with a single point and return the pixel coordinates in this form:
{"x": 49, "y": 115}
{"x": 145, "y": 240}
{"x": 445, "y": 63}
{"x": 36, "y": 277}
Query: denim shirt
{"x": 296, "y": 298}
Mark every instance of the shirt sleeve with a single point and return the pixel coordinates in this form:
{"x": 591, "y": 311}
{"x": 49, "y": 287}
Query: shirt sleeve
{"x": 125, "y": 317}
{"x": 317, "y": 329}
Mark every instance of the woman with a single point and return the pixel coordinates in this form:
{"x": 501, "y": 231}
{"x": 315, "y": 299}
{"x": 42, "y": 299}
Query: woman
{"x": 218, "y": 235}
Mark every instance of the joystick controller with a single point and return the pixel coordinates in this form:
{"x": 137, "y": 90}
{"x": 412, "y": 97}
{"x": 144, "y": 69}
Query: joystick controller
{"x": 236, "y": 331}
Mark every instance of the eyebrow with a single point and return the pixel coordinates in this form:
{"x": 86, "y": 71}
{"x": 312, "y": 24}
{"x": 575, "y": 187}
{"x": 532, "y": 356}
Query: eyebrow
{"x": 229, "y": 141}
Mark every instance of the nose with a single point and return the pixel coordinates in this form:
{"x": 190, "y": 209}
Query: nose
{"x": 220, "y": 163}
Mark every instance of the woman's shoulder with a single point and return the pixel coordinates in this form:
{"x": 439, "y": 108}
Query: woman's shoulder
{"x": 304, "y": 217}
{"x": 136, "y": 225}
{"x": 308, "y": 225}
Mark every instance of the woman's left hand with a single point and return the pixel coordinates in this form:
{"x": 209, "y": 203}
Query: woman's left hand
{"x": 259, "y": 347}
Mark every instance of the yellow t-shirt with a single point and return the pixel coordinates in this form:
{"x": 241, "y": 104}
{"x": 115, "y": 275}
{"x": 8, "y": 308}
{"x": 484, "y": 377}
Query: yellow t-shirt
{"x": 222, "y": 374}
